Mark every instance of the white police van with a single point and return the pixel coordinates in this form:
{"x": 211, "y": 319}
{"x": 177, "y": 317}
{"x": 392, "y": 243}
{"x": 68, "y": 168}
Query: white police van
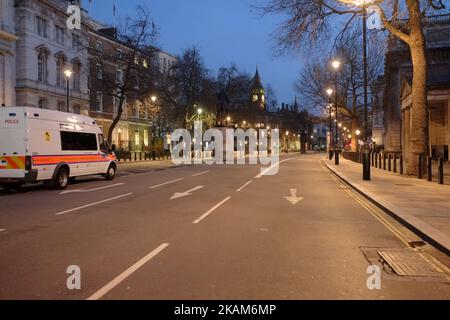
{"x": 51, "y": 146}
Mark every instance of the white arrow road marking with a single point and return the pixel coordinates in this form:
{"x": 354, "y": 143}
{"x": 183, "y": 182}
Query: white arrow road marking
{"x": 91, "y": 190}
{"x": 165, "y": 183}
{"x": 93, "y": 204}
{"x": 293, "y": 199}
{"x": 185, "y": 194}
{"x": 107, "y": 288}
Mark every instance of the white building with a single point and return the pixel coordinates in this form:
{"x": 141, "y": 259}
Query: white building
{"x": 45, "y": 49}
{"x": 7, "y": 53}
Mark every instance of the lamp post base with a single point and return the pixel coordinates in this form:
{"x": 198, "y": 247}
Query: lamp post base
{"x": 366, "y": 165}
{"x": 336, "y": 157}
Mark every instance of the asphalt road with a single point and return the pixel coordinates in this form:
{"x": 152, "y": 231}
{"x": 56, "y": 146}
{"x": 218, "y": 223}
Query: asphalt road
{"x": 233, "y": 236}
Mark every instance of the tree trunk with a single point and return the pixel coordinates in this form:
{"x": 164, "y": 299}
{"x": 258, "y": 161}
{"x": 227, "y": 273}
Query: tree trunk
{"x": 419, "y": 110}
{"x": 115, "y": 121}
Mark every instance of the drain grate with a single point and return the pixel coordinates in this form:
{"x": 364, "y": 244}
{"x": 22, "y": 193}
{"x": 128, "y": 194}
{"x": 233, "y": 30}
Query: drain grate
{"x": 410, "y": 263}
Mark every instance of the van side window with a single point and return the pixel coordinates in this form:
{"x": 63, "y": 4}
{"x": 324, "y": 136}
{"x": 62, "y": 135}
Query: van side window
{"x": 77, "y": 141}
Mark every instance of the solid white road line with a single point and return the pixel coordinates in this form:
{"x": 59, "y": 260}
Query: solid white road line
{"x": 199, "y": 174}
{"x": 211, "y": 210}
{"x": 93, "y": 204}
{"x": 100, "y": 293}
{"x": 242, "y": 188}
{"x": 265, "y": 171}
{"x": 91, "y": 190}
{"x": 165, "y": 183}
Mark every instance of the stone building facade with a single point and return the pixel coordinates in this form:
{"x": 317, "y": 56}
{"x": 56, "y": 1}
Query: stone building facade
{"x": 45, "y": 49}
{"x": 8, "y": 40}
{"x": 397, "y": 99}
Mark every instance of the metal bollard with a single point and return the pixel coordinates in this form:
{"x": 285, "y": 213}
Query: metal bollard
{"x": 395, "y": 163}
{"x": 401, "y": 164}
{"x": 379, "y": 160}
{"x": 419, "y": 167}
{"x": 384, "y": 161}
{"x": 441, "y": 170}
{"x": 153, "y": 155}
{"x": 429, "y": 169}
{"x": 389, "y": 162}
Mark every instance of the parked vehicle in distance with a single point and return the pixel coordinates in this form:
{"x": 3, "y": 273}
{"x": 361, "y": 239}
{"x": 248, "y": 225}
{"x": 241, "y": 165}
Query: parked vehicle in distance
{"x": 51, "y": 146}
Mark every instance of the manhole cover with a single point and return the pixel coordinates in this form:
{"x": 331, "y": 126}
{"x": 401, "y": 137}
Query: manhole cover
{"x": 410, "y": 263}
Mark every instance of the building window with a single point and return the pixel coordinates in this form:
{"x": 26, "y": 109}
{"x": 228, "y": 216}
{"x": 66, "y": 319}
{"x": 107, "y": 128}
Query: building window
{"x": 99, "y": 46}
{"x": 99, "y": 72}
{"x": 145, "y": 63}
{"x": 137, "y": 138}
{"x": 99, "y": 101}
{"x": 76, "y": 109}
{"x": 76, "y": 76}
{"x": 119, "y": 54}
{"x": 59, "y": 35}
{"x": 146, "y": 137}
{"x": 42, "y": 103}
{"x": 75, "y": 41}
{"x": 42, "y": 68}
{"x": 42, "y": 27}
{"x": 119, "y": 77}
{"x": 60, "y": 72}
{"x": 60, "y": 106}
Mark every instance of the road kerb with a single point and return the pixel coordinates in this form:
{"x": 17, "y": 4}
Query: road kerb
{"x": 419, "y": 227}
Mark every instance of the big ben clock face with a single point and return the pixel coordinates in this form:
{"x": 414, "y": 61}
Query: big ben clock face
{"x": 255, "y": 97}
{"x": 263, "y": 98}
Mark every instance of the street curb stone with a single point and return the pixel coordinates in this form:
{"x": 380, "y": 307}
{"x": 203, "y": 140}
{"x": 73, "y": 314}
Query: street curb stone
{"x": 424, "y": 230}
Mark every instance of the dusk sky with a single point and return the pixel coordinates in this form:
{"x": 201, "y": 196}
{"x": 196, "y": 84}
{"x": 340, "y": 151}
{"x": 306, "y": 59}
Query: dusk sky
{"x": 224, "y": 31}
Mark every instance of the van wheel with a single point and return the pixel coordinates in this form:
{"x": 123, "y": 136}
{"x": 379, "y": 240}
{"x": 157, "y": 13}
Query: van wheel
{"x": 111, "y": 173}
{"x": 61, "y": 180}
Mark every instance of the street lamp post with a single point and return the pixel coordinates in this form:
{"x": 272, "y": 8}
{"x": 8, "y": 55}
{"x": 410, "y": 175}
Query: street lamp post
{"x": 330, "y": 106}
{"x": 68, "y": 74}
{"x": 366, "y": 161}
{"x": 336, "y": 64}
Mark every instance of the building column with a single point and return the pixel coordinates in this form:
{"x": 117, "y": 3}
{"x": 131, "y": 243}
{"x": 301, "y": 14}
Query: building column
{"x": 7, "y": 79}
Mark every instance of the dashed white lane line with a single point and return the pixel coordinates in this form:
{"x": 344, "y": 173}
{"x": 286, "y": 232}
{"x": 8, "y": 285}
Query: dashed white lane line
{"x": 201, "y": 173}
{"x": 93, "y": 204}
{"x": 111, "y": 285}
{"x": 242, "y": 188}
{"x": 269, "y": 170}
{"x": 211, "y": 210}
{"x": 2, "y": 230}
{"x": 165, "y": 183}
{"x": 91, "y": 190}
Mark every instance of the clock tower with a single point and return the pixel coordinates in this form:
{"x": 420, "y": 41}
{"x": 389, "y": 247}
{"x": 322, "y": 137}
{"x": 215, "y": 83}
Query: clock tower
{"x": 257, "y": 95}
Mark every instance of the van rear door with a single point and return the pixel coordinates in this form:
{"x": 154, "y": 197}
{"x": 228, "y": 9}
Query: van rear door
{"x": 12, "y": 143}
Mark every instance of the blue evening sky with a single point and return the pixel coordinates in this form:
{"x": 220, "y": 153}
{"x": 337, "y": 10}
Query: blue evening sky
{"x": 225, "y": 31}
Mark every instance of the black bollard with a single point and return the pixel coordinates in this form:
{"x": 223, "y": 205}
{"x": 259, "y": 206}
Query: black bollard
{"x": 419, "y": 167}
{"x": 390, "y": 162}
{"x": 384, "y": 161}
{"x": 429, "y": 169}
{"x": 441, "y": 170}
{"x": 401, "y": 164}
{"x": 395, "y": 163}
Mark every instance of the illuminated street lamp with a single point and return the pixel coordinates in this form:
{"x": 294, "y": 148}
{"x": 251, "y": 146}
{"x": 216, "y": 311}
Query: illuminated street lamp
{"x": 364, "y": 4}
{"x": 336, "y": 64}
{"x": 68, "y": 74}
{"x": 153, "y": 99}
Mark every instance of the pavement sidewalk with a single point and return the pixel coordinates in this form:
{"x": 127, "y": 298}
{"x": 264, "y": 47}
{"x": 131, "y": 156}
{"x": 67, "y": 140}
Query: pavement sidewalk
{"x": 423, "y": 206}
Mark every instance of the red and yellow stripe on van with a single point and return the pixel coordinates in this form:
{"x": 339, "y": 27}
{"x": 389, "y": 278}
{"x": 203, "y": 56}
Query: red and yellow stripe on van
{"x": 71, "y": 159}
{"x": 12, "y": 162}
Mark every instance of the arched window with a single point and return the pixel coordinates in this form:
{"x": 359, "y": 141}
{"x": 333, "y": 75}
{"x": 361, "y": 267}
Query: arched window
{"x": 42, "y": 68}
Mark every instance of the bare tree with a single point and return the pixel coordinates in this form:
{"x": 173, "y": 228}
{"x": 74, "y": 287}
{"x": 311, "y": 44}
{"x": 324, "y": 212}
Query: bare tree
{"x": 311, "y": 19}
{"x": 124, "y": 66}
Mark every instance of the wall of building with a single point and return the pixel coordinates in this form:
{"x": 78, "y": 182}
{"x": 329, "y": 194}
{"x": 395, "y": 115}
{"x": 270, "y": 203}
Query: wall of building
{"x": 7, "y": 53}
